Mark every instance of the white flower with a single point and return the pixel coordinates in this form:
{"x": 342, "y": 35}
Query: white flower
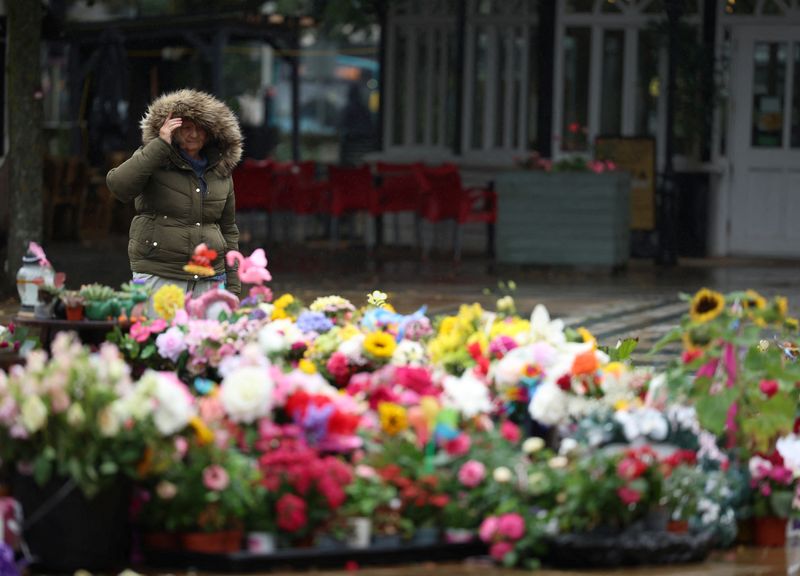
{"x": 278, "y": 336}
{"x": 568, "y": 447}
{"x": 544, "y": 329}
{"x": 467, "y": 394}
{"x": 246, "y": 394}
{"x": 174, "y": 404}
{"x": 532, "y": 445}
{"x": 353, "y": 349}
{"x": 166, "y": 490}
{"x": 789, "y": 449}
{"x": 642, "y": 423}
{"x": 549, "y": 405}
{"x": 409, "y": 353}
{"x": 502, "y": 475}
{"x": 75, "y": 415}
{"x": 558, "y": 462}
{"x": 508, "y": 371}
{"x": 34, "y": 413}
{"x": 108, "y": 422}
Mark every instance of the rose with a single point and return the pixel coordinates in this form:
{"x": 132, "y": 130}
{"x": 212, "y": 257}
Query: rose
{"x": 471, "y": 473}
{"x": 488, "y": 528}
{"x": 510, "y": 431}
{"x": 768, "y": 387}
{"x": 166, "y": 490}
{"x": 629, "y": 495}
{"x": 291, "y": 512}
{"x": 215, "y": 478}
{"x": 246, "y": 394}
{"x": 458, "y": 446}
{"x": 502, "y": 475}
{"x": 174, "y": 403}
{"x": 511, "y": 526}
{"x": 171, "y": 344}
{"x": 498, "y": 550}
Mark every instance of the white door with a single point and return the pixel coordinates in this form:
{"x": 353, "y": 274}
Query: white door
{"x": 765, "y": 130}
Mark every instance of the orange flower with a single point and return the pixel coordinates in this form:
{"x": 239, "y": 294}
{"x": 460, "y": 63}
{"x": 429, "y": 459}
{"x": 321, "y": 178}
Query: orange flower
{"x": 585, "y": 363}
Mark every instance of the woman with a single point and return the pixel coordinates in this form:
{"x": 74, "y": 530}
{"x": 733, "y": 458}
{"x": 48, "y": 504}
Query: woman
{"x": 181, "y": 182}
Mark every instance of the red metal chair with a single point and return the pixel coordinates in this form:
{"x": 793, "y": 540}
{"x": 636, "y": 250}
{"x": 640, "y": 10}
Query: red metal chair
{"x": 445, "y": 198}
{"x": 352, "y": 190}
{"x": 398, "y": 191}
{"x": 252, "y": 184}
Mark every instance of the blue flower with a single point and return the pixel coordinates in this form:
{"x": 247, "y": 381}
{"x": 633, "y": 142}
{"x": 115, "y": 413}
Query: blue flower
{"x": 314, "y": 322}
{"x": 203, "y": 385}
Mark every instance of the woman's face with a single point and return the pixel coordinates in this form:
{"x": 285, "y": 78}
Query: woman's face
{"x": 191, "y": 137}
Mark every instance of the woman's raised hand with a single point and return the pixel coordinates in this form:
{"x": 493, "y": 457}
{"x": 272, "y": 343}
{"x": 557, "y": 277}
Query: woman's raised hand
{"x": 169, "y": 126}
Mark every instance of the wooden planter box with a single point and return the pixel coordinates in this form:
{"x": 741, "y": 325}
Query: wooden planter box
{"x": 563, "y": 218}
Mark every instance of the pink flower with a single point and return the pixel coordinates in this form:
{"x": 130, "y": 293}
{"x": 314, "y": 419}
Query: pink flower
{"x": 337, "y": 365}
{"x": 766, "y": 489}
{"x": 139, "y": 332}
{"x": 215, "y": 478}
{"x": 181, "y": 447}
{"x": 171, "y": 344}
{"x": 629, "y": 495}
{"x": 768, "y": 387}
{"x": 511, "y": 526}
{"x": 498, "y": 550}
{"x": 510, "y": 431}
{"x": 488, "y": 528}
{"x": 458, "y": 446}
{"x": 471, "y": 473}
{"x": 291, "y": 512}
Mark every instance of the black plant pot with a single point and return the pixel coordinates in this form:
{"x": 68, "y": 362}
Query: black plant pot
{"x": 65, "y": 531}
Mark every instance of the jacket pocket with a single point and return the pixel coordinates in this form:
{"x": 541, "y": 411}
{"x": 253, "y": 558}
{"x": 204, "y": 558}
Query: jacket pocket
{"x": 142, "y": 237}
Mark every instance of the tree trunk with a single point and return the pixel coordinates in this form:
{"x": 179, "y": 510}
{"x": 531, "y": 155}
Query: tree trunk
{"x": 25, "y": 114}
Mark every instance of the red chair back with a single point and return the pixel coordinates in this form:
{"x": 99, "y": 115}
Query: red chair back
{"x": 399, "y": 189}
{"x": 351, "y": 190}
{"x": 251, "y": 184}
{"x": 442, "y": 192}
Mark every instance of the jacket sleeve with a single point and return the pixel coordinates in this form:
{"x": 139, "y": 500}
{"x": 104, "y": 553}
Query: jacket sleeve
{"x": 129, "y": 179}
{"x": 230, "y": 232}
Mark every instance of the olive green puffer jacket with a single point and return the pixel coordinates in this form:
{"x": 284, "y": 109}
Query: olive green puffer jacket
{"x": 173, "y": 217}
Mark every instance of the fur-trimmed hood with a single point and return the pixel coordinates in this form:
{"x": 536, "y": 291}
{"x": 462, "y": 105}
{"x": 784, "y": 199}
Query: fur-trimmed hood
{"x": 206, "y": 110}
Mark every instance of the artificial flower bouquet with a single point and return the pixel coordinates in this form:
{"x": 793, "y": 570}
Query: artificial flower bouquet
{"x": 79, "y": 415}
{"x": 738, "y": 367}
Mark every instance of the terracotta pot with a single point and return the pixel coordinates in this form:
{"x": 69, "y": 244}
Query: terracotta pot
{"x": 770, "y": 531}
{"x": 678, "y": 526}
{"x": 213, "y": 542}
{"x": 161, "y": 541}
{"x": 75, "y": 313}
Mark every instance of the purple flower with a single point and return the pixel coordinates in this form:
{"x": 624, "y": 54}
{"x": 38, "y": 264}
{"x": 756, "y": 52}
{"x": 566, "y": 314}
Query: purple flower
{"x": 314, "y": 322}
{"x": 315, "y": 422}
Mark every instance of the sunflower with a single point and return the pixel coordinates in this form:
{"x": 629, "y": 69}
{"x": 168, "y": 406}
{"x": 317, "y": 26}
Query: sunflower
{"x": 706, "y": 305}
{"x": 168, "y": 300}
{"x": 782, "y": 305}
{"x": 379, "y": 345}
{"x": 753, "y": 301}
{"x": 394, "y": 418}
{"x": 791, "y": 323}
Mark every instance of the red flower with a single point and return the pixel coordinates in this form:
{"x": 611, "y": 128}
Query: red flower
{"x": 629, "y": 495}
{"x": 291, "y": 511}
{"x": 343, "y": 423}
{"x": 690, "y": 356}
{"x": 565, "y": 382}
{"x": 458, "y": 446}
{"x": 768, "y": 387}
{"x": 630, "y": 468}
{"x": 415, "y": 379}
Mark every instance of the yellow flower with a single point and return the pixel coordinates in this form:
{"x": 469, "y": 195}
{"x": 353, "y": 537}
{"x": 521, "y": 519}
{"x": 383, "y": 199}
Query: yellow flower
{"x": 587, "y": 337}
{"x": 394, "y": 418}
{"x": 782, "y": 305}
{"x": 694, "y": 340}
{"x": 168, "y": 300}
{"x": 706, "y": 305}
{"x": 509, "y": 327}
{"x": 753, "y": 301}
{"x": 448, "y": 325}
{"x": 199, "y": 270}
{"x": 283, "y": 301}
{"x": 307, "y": 366}
{"x": 481, "y": 339}
{"x": 204, "y": 434}
{"x": 791, "y": 323}
{"x": 379, "y": 345}
{"x": 279, "y": 313}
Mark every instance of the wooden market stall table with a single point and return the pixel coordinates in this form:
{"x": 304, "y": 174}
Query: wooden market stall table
{"x": 89, "y": 331}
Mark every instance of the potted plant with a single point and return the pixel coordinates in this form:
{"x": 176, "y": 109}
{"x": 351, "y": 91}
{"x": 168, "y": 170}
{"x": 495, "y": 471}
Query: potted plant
{"x": 73, "y": 303}
{"x": 365, "y": 495}
{"x": 48, "y": 297}
{"x": 64, "y": 438}
{"x": 214, "y": 492}
{"x": 100, "y": 301}
{"x": 773, "y": 487}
